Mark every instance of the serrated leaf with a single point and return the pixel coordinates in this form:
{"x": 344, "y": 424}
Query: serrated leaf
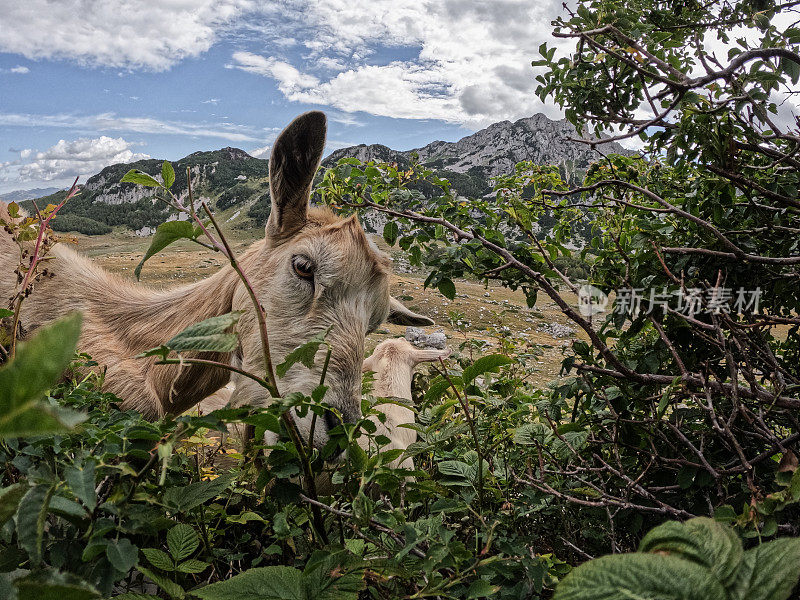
{"x": 167, "y": 174}
{"x": 192, "y": 566}
{"x": 701, "y": 540}
{"x": 31, "y": 516}
{"x": 166, "y": 234}
{"x": 640, "y": 576}
{"x": 4, "y": 312}
{"x": 205, "y": 336}
{"x": 122, "y": 554}
{"x": 485, "y": 364}
{"x": 159, "y": 559}
{"x": 170, "y": 587}
{"x": 10, "y": 498}
{"x": 304, "y": 354}
{"x": 36, "y": 367}
{"x": 480, "y": 588}
{"x": 182, "y": 541}
{"x": 769, "y": 571}
{"x": 82, "y": 481}
{"x": 529, "y": 434}
{"x": 284, "y": 583}
{"x": 139, "y": 178}
{"x": 262, "y": 583}
{"x": 185, "y": 498}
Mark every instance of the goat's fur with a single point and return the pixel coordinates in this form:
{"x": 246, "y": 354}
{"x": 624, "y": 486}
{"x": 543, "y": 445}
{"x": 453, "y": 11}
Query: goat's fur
{"x": 347, "y": 295}
{"x": 393, "y": 362}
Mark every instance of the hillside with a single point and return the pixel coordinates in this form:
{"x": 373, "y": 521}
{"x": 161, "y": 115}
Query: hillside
{"x": 237, "y": 182}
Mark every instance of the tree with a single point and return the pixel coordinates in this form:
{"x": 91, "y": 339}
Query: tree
{"x": 686, "y": 401}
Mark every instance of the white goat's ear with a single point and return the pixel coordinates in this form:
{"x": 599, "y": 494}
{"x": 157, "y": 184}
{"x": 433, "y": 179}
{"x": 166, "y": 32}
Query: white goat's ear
{"x": 400, "y": 315}
{"x": 429, "y": 354}
{"x": 295, "y": 157}
{"x": 369, "y": 364}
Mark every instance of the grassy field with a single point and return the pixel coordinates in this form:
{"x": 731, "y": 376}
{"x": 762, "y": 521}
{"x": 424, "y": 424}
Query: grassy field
{"x": 483, "y": 311}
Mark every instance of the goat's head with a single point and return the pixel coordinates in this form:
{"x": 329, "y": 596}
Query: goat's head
{"x": 322, "y": 274}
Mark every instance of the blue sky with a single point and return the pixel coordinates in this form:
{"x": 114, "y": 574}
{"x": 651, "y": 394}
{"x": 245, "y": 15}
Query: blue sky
{"x": 85, "y": 83}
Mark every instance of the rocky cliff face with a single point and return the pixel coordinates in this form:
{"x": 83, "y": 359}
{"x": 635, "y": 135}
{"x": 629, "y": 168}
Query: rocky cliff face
{"x": 496, "y": 149}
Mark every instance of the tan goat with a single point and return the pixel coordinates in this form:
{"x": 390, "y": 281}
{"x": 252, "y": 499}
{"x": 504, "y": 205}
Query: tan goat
{"x": 393, "y": 362}
{"x": 313, "y": 272}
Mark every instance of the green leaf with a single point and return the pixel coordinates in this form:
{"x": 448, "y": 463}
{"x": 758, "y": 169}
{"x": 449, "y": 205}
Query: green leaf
{"x": 701, "y": 540}
{"x": 390, "y": 232}
{"x": 52, "y": 585}
{"x": 640, "y": 576}
{"x": 304, "y": 354}
{"x": 9, "y": 500}
{"x": 529, "y": 434}
{"x": 192, "y": 566}
{"x": 182, "y": 541}
{"x": 170, "y": 587}
{"x": 4, "y": 312}
{"x": 82, "y": 481}
{"x": 480, "y": 588}
{"x": 167, "y": 174}
{"x": 769, "y": 571}
{"x": 485, "y": 364}
{"x": 185, "y": 498}
{"x": 284, "y": 583}
{"x": 263, "y": 583}
{"x": 159, "y": 559}
{"x": 23, "y": 382}
{"x": 447, "y": 288}
{"x": 205, "y": 336}
{"x": 166, "y": 234}
{"x": 139, "y": 178}
{"x": 31, "y": 516}
{"x": 122, "y": 555}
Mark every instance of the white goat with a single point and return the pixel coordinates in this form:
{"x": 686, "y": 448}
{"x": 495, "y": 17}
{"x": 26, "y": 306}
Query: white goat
{"x": 393, "y": 362}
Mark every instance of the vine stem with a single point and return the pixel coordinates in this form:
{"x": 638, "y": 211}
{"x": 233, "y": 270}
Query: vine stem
{"x": 34, "y": 262}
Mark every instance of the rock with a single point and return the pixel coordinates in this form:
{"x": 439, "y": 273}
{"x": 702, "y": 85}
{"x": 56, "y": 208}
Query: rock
{"x": 557, "y": 330}
{"x": 418, "y": 337}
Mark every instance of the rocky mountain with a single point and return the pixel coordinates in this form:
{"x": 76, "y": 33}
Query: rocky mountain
{"x": 32, "y": 194}
{"x": 237, "y": 184}
{"x": 495, "y": 151}
{"x": 228, "y": 176}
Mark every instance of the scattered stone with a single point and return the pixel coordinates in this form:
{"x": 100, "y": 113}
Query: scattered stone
{"x": 557, "y": 330}
{"x": 418, "y": 337}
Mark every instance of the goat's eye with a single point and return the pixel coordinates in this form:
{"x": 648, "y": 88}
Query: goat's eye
{"x": 303, "y": 267}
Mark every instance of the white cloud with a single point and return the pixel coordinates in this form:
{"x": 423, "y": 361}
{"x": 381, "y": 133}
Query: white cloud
{"x": 470, "y": 65}
{"x": 290, "y": 80}
{"x": 124, "y": 33}
{"x": 262, "y": 152}
{"x": 112, "y": 122}
{"x": 19, "y": 70}
{"x": 68, "y": 159}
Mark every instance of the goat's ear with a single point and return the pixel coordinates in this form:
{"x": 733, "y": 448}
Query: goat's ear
{"x": 369, "y": 364}
{"x": 429, "y": 354}
{"x": 295, "y": 157}
{"x": 400, "y": 315}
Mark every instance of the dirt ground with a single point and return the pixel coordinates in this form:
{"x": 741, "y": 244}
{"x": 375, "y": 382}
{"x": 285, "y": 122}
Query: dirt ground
{"x": 482, "y": 311}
